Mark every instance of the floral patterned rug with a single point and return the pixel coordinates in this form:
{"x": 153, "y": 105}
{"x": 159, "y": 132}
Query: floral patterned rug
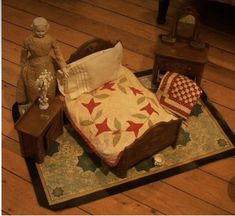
{"x": 71, "y": 174}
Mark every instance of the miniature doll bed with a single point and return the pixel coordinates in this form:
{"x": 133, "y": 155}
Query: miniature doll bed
{"x": 120, "y": 120}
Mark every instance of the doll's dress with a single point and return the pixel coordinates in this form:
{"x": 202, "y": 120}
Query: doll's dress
{"x": 35, "y": 58}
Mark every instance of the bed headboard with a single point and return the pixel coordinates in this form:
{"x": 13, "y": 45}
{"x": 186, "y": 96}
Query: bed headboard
{"x": 90, "y": 47}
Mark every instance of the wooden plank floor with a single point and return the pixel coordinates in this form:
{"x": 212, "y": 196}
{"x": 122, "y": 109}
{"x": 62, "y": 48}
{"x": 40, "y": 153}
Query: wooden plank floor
{"x": 199, "y": 191}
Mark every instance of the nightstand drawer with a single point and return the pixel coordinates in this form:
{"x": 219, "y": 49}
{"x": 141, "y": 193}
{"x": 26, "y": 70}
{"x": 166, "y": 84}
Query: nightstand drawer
{"x": 187, "y": 68}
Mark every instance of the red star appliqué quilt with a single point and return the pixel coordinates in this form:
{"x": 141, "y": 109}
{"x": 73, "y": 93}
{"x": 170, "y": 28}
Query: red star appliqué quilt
{"x": 115, "y": 115}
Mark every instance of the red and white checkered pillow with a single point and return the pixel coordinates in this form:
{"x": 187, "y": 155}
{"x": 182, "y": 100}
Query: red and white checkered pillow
{"x": 178, "y": 94}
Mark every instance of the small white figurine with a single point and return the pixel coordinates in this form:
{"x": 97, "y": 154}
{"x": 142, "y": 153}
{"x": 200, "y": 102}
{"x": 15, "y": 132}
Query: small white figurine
{"x": 43, "y": 83}
{"x": 158, "y": 160}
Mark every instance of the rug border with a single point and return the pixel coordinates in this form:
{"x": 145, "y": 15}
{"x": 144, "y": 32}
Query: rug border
{"x": 41, "y": 196}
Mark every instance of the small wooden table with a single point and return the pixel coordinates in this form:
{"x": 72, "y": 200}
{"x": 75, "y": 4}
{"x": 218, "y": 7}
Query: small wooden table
{"x": 37, "y": 128}
{"x": 178, "y": 57}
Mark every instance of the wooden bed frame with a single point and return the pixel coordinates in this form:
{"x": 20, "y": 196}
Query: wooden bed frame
{"x": 152, "y": 141}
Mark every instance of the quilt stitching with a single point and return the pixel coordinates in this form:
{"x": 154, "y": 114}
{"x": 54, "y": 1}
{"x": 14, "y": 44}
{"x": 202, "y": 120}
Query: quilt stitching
{"x": 110, "y": 132}
{"x": 133, "y": 126}
{"x": 178, "y": 94}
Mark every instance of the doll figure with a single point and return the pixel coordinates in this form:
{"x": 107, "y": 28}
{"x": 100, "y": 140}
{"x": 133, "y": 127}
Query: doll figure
{"x": 35, "y": 58}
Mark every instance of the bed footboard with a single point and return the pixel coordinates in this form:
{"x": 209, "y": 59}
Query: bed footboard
{"x": 155, "y": 139}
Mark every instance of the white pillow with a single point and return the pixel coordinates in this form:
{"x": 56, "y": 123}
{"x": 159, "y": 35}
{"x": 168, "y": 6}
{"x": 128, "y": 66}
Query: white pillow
{"x": 92, "y": 71}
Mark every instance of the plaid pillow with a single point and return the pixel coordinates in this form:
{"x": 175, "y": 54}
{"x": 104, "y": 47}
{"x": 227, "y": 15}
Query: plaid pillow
{"x": 178, "y": 94}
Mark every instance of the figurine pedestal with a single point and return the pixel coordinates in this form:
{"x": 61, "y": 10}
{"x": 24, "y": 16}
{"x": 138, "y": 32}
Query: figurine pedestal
{"x": 37, "y": 128}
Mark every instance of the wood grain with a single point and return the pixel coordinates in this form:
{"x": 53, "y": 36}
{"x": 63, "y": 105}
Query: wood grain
{"x": 215, "y": 55}
{"x": 11, "y": 51}
{"x": 219, "y": 94}
{"x": 204, "y": 186}
{"x": 228, "y": 115}
{"x": 19, "y": 167}
{"x": 10, "y": 72}
{"x": 13, "y": 16}
{"x": 107, "y": 17}
{"x": 162, "y": 196}
{"x": 219, "y": 75}
{"x": 131, "y": 60}
{"x": 9, "y": 93}
{"x": 129, "y": 40}
{"x": 8, "y": 125}
{"x": 22, "y": 199}
{"x": 10, "y": 145}
{"x": 117, "y": 204}
{"x": 148, "y": 16}
{"x": 87, "y": 25}
{"x": 9, "y": 48}
{"x": 203, "y": 190}
{"x": 222, "y": 168}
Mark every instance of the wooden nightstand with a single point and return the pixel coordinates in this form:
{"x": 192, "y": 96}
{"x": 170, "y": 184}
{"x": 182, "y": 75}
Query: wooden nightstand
{"x": 180, "y": 58}
{"x": 181, "y": 50}
{"x": 37, "y": 128}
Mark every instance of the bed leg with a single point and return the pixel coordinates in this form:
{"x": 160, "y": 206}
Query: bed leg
{"x": 122, "y": 174}
{"x": 121, "y": 171}
{"x": 173, "y": 145}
